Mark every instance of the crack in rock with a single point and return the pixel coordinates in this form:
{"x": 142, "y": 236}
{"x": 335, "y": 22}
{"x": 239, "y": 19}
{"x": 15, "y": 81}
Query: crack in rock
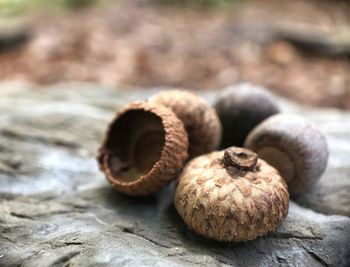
{"x": 133, "y": 232}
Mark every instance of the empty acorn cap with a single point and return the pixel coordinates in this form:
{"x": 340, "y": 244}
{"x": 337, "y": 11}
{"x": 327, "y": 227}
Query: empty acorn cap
{"x": 294, "y": 146}
{"x": 200, "y": 120}
{"x": 240, "y": 108}
{"x": 144, "y": 149}
{"x": 231, "y": 195}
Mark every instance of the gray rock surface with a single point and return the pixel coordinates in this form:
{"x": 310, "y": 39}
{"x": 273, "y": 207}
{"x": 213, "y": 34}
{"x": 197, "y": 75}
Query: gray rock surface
{"x": 58, "y": 210}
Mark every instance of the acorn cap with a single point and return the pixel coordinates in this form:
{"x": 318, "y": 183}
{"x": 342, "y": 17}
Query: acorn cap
{"x": 200, "y": 120}
{"x": 240, "y": 108}
{"x": 231, "y": 195}
{"x": 294, "y": 146}
{"x": 145, "y": 147}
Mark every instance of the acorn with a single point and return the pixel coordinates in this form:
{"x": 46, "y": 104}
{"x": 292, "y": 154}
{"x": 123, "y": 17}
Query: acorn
{"x": 231, "y": 195}
{"x": 144, "y": 149}
{"x": 201, "y": 122}
{"x": 240, "y": 108}
{"x": 294, "y": 146}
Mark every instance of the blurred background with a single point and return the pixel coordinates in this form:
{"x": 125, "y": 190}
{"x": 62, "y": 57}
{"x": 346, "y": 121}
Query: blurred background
{"x": 298, "y": 49}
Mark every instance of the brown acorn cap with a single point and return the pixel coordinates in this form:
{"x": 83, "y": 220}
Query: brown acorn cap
{"x": 294, "y": 146}
{"x": 200, "y": 120}
{"x": 144, "y": 149}
{"x": 240, "y": 108}
{"x": 231, "y": 195}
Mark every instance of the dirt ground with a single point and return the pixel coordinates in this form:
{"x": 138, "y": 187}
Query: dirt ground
{"x": 139, "y": 44}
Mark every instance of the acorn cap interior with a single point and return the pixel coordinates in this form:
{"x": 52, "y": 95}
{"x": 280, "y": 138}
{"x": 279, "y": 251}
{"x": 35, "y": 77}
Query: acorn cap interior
{"x": 135, "y": 142}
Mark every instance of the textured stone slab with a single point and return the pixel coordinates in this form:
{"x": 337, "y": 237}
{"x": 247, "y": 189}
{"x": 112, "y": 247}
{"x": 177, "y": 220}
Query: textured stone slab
{"x": 58, "y": 209}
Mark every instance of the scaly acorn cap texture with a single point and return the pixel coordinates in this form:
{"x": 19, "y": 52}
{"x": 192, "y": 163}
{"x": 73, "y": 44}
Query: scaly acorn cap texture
{"x": 231, "y": 195}
{"x": 145, "y": 148}
{"x": 294, "y": 146}
{"x": 240, "y": 108}
{"x": 200, "y": 120}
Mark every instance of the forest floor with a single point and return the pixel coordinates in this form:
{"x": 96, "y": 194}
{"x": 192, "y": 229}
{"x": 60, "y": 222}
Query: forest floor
{"x": 297, "y": 49}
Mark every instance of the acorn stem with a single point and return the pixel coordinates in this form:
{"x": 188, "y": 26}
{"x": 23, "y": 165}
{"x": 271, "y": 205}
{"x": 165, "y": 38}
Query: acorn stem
{"x": 240, "y": 158}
